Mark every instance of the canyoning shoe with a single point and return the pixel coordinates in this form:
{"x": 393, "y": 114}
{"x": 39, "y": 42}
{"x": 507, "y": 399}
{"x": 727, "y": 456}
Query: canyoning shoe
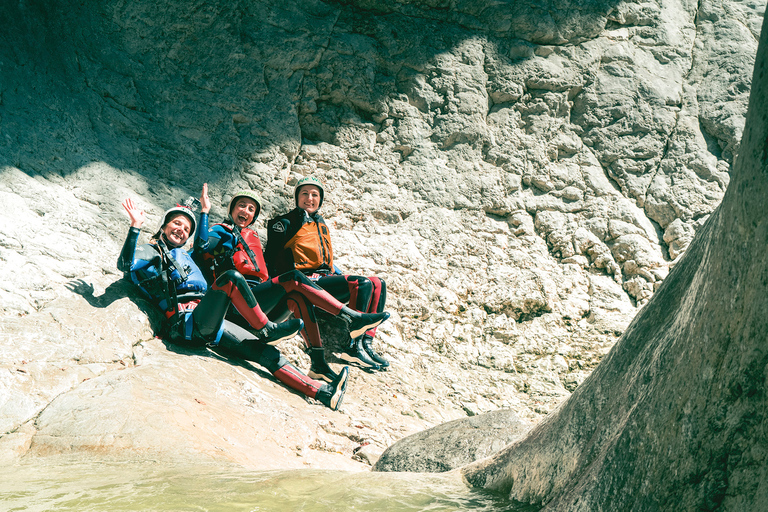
{"x": 332, "y": 394}
{"x": 362, "y": 322}
{"x": 319, "y": 369}
{"x": 274, "y": 333}
{"x": 324, "y": 374}
{"x": 356, "y": 355}
{"x": 375, "y": 357}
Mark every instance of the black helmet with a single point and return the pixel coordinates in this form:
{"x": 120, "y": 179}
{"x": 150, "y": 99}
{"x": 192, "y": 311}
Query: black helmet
{"x": 309, "y": 180}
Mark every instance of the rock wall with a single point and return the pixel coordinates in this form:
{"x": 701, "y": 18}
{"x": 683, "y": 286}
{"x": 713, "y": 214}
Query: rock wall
{"x": 674, "y": 416}
{"x": 522, "y": 175}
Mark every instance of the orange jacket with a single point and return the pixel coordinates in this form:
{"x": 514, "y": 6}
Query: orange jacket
{"x": 298, "y": 241}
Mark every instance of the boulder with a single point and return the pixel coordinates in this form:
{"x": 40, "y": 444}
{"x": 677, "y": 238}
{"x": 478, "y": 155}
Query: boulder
{"x": 453, "y": 444}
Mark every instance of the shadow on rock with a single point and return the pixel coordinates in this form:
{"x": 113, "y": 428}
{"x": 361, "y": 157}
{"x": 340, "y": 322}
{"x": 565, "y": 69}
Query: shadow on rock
{"x": 119, "y": 289}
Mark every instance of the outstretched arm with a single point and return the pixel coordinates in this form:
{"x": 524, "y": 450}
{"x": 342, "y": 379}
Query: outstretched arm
{"x": 201, "y": 238}
{"x": 125, "y": 261}
{"x": 205, "y": 201}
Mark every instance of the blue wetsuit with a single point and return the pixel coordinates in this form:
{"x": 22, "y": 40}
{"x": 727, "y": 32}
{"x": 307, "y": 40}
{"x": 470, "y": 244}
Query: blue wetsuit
{"x": 198, "y": 317}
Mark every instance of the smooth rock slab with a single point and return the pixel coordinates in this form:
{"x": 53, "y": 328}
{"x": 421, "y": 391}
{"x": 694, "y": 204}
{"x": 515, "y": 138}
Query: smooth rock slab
{"x": 453, "y": 444}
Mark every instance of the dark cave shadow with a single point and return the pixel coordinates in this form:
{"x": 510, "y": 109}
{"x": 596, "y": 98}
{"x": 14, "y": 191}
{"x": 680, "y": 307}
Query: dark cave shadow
{"x": 60, "y": 55}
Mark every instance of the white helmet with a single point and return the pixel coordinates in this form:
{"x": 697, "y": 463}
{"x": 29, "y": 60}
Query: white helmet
{"x": 185, "y": 209}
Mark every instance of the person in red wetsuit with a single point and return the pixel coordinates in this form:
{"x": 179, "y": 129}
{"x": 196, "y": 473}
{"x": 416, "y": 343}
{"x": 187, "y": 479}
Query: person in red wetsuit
{"x": 195, "y": 313}
{"x": 300, "y": 240}
{"x": 234, "y": 245}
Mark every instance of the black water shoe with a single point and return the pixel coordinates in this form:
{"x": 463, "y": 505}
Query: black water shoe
{"x": 375, "y": 357}
{"x": 273, "y": 333}
{"x": 356, "y": 355}
{"x": 358, "y": 323}
{"x": 332, "y": 394}
{"x": 319, "y": 369}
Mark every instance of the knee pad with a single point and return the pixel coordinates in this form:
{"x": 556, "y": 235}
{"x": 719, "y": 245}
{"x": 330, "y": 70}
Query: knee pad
{"x": 272, "y": 359}
{"x": 292, "y": 275}
{"x": 232, "y": 280}
{"x": 230, "y": 276}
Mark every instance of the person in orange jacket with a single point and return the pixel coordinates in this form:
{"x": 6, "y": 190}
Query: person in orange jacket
{"x": 300, "y": 240}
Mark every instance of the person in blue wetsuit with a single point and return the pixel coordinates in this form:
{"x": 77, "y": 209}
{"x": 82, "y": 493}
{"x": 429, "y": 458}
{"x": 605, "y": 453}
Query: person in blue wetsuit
{"x": 234, "y": 245}
{"x": 300, "y": 240}
{"x": 195, "y": 314}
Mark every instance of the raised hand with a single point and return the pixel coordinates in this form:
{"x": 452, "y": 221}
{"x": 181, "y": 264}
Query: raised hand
{"x": 205, "y": 202}
{"x": 134, "y": 212}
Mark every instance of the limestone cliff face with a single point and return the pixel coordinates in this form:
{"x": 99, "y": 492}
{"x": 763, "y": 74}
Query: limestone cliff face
{"x": 674, "y": 416}
{"x": 522, "y": 175}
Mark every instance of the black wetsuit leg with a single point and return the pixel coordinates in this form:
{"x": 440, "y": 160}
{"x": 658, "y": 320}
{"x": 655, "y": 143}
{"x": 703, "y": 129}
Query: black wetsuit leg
{"x": 336, "y": 285}
{"x": 238, "y": 342}
{"x": 379, "y": 295}
{"x": 353, "y": 290}
{"x": 236, "y": 288}
{"x": 209, "y": 314}
{"x": 360, "y": 293}
{"x": 269, "y": 294}
{"x": 301, "y": 308}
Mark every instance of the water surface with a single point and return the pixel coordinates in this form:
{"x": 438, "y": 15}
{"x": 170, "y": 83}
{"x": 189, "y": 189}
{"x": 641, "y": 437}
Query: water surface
{"x": 60, "y": 485}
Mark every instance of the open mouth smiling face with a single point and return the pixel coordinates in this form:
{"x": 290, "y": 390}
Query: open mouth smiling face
{"x": 243, "y": 212}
